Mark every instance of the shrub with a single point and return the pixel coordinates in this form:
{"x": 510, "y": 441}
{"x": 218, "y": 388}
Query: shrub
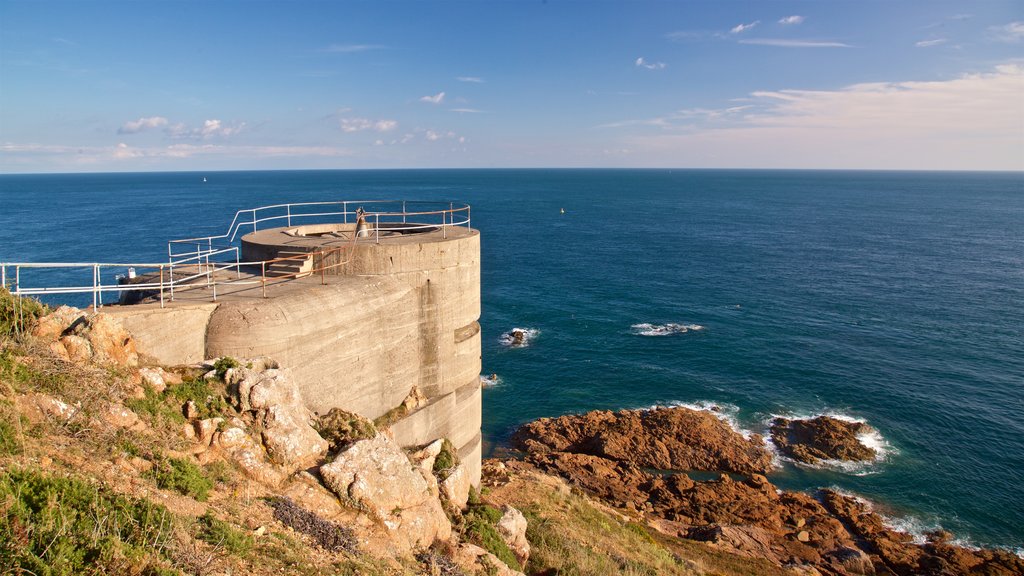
{"x": 341, "y": 428}
{"x": 209, "y": 401}
{"x": 220, "y": 533}
{"x": 326, "y": 534}
{"x": 64, "y": 526}
{"x": 17, "y": 313}
{"x": 222, "y": 365}
{"x": 181, "y": 476}
{"x": 446, "y": 460}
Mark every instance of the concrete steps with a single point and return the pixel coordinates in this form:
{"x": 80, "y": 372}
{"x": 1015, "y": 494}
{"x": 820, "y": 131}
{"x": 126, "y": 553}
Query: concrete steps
{"x": 298, "y": 265}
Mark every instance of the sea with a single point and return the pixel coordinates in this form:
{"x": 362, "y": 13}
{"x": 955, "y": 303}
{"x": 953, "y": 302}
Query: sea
{"x": 893, "y": 298}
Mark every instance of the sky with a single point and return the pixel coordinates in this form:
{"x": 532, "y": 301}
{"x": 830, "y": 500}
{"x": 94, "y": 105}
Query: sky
{"x": 90, "y": 86}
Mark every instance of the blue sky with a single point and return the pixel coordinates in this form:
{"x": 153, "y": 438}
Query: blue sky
{"x": 219, "y": 85}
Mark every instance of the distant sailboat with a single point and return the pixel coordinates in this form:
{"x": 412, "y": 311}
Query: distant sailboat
{"x": 204, "y": 178}
{"x": 563, "y": 210}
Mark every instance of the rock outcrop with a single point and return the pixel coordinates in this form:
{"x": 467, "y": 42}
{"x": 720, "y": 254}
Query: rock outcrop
{"x": 821, "y": 438}
{"x": 609, "y": 455}
{"x": 288, "y": 433}
{"x": 663, "y": 438}
{"x": 376, "y": 476}
{"x": 79, "y": 336}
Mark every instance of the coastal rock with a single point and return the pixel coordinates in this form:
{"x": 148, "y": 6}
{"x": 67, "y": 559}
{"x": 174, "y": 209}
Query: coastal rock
{"x": 375, "y": 475}
{"x": 512, "y": 527}
{"x": 664, "y": 438}
{"x": 821, "y": 438}
{"x": 613, "y": 481}
{"x": 456, "y": 486}
{"x": 249, "y": 455}
{"x": 80, "y": 337}
{"x": 288, "y": 434}
{"x": 476, "y": 560}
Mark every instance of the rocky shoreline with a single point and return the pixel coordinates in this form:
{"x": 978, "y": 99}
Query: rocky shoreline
{"x": 631, "y": 460}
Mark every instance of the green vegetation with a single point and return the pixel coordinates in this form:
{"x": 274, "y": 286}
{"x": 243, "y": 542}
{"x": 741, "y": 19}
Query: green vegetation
{"x": 341, "y": 428}
{"x": 208, "y": 401}
{"x": 481, "y": 529}
{"x": 446, "y": 460}
{"x": 222, "y": 365}
{"x": 57, "y": 526}
{"x": 11, "y": 425}
{"x": 17, "y": 314}
{"x": 181, "y": 476}
{"x": 219, "y": 533}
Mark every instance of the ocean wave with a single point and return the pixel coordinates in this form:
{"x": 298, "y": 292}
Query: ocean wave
{"x": 646, "y": 329}
{"x": 871, "y": 438}
{"x": 519, "y": 337}
{"x": 487, "y": 380}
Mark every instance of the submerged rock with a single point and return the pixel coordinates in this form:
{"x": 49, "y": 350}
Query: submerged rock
{"x": 821, "y": 438}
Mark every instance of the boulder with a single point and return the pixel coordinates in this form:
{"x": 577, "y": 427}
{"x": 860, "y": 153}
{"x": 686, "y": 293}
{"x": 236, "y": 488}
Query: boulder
{"x": 288, "y": 434}
{"x": 248, "y": 454}
{"x": 98, "y": 337}
{"x": 821, "y": 438}
{"x": 456, "y": 486}
{"x": 476, "y": 560}
{"x": 512, "y": 527}
{"x": 376, "y": 476}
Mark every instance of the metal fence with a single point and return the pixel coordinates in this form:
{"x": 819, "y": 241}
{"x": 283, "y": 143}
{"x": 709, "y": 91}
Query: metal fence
{"x": 194, "y": 262}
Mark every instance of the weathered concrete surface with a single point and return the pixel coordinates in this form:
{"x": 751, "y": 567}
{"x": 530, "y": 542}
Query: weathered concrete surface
{"x": 399, "y": 314}
{"x": 170, "y": 336}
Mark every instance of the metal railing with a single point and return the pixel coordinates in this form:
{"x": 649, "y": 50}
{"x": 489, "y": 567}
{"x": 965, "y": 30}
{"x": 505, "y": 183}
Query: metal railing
{"x": 194, "y": 262}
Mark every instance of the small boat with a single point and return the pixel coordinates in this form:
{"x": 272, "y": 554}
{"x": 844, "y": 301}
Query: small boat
{"x": 563, "y": 210}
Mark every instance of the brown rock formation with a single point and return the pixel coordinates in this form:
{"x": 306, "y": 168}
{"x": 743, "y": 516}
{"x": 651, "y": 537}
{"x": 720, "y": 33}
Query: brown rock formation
{"x": 606, "y": 454}
{"x": 821, "y": 438}
{"x": 662, "y": 438}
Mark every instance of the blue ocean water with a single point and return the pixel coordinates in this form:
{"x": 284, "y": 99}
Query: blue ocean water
{"x": 895, "y": 298}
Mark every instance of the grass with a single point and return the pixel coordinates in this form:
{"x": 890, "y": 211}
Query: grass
{"x": 481, "y": 529}
{"x": 219, "y": 533}
{"x": 59, "y": 526}
{"x": 341, "y": 428}
{"x": 222, "y": 365}
{"x": 181, "y": 476}
{"x": 446, "y": 460}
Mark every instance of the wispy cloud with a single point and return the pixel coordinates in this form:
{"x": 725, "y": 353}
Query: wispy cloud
{"x": 467, "y": 110}
{"x": 930, "y": 43}
{"x": 970, "y": 122}
{"x": 361, "y": 124}
{"x": 686, "y": 35}
{"x": 211, "y": 129}
{"x": 791, "y": 20}
{"x": 136, "y": 126}
{"x": 352, "y": 48}
{"x": 470, "y": 79}
{"x": 740, "y": 28}
{"x": 790, "y": 43}
{"x": 435, "y": 99}
{"x": 1012, "y": 32}
{"x": 650, "y": 65}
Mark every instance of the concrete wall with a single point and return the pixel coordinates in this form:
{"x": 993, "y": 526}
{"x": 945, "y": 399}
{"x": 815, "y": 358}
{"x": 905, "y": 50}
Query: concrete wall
{"x": 169, "y": 336}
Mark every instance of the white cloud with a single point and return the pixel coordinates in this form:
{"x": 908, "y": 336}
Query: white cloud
{"x": 930, "y": 43}
{"x": 351, "y": 48}
{"x": 1012, "y": 32}
{"x": 210, "y": 129}
{"x": 470, "y": 79}
{"x": 739, "y": 28}
{"x": 467, "y": 110}
{"x": 361, "y": 124}
{"x": 791, "y": 20}
{"x": 971, "y": 123}
{"x": 650, "y": 65}
{"x": 786, "y": 43}
{"x": 141, "y": 124}
{"x": 435, "y": 99}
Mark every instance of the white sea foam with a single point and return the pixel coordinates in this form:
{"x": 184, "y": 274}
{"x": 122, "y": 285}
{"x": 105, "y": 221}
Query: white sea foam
{"x": 646, "y": 329}
{"x": 918, "y": 528}
{"x": 488, "y": 380}
{"x": 527, "y": 336}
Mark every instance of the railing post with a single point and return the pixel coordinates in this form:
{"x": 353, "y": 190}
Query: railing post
{"x": 172, "y": 280}
{"x": 95, "y": 273}
{"x": 238, "y": 265}
{"x": 254, "y": 220}
{"x": 3, "y": 276}
{"x": 289, "y": 207}
{"x": 344, "y": 210}
{"x": 263, "y": 275}
{"x": 376, "y": 227}
{"x": 403, "y": 212}
{"x": 17, "y": 279}
{"x": 161, "y": 285}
